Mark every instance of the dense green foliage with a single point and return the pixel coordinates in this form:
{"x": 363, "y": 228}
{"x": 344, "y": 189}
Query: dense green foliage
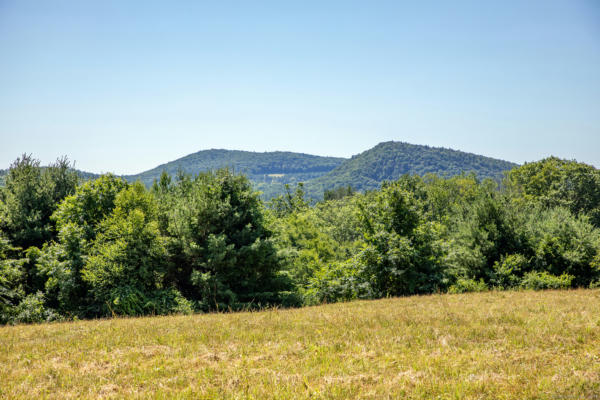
{"x": 267, "y": 171}
{"x": 30, "y": 197}
{"x": 204, "y": 242}
{"x": 332, "y": 177}
{"x": 388, "y": 161}
{"x": 81, "y": 174}
{"x": 556, "y": 182}
{"x": 270, "y": 171}
{"x": 222, "y": 252}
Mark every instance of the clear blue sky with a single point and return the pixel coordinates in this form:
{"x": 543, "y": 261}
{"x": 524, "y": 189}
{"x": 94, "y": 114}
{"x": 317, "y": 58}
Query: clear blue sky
{"x": 123, "y": 86}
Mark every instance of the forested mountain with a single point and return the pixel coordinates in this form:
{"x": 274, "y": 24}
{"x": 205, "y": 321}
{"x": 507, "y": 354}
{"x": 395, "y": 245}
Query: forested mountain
{"x": 390, "y": 160}
{"x": 87, "y": 175}
{"x": 268, "y": 171}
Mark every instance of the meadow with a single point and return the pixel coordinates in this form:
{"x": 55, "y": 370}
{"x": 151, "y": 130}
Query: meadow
{"x": 497, "y": 345}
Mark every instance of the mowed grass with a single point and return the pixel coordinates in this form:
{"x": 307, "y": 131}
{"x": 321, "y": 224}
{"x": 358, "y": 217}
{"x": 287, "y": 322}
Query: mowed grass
{"x": 498, "y": 345}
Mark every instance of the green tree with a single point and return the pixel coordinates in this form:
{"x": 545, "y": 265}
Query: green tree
{"x": 482, "y": 232}
{"x": 401, "y": 255}
{"x": 562, "y": 243}
{"x": 128, "y": 263}
{"x": 26, "y": 204}
{"x": 289, "y": 202}
{"x": 338, "y": 193}
{"x": 222, "y": 250}
{"x": 12, "y": 289}
{"x": 556, "y": 182}
{"x": 89, "y": 205}
{"x": 30, "y": 197}
{"x": 58, "y": 265}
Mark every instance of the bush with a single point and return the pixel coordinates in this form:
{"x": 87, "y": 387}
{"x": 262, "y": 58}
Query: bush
{"x": 32, "y": 309}
{"x": 509, "y": 270}
{"x": 339, "y": 282}
{"x": 481, "y": 233}
{"x": 562, "y": 243}
{"x": 464, "y": 285}
{"x": 128, "y": 300}
{"x": 543, "y": 280}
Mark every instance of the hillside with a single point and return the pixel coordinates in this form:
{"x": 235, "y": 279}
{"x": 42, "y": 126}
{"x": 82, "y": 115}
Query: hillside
{"x": 496, "y": 345}
{"x": 268, "y": 171}
{"x": 389, "y": 160}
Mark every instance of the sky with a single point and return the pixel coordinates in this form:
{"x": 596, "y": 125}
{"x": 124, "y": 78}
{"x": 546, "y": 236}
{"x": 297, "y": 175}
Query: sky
{"x": 123, "y": 86}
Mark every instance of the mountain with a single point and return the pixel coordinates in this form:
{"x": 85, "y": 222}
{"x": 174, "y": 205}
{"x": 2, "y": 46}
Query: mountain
{"x": 268, "y": 171}
{"x": 389, "y": 160}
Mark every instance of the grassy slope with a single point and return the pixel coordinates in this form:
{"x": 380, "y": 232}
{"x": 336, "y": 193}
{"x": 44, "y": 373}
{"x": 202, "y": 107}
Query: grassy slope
{"x": 503, "y": 345}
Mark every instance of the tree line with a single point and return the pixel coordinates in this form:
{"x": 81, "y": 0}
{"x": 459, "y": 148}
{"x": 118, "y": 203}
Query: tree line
{"x": 72, "y": 249}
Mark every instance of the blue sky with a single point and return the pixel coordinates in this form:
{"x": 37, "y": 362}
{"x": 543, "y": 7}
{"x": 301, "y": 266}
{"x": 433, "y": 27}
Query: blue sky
{"x": 123, "y": 86}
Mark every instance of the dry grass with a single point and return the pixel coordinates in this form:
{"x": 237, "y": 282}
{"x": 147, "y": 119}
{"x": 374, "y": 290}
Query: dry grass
{"x": 503, "y": 345}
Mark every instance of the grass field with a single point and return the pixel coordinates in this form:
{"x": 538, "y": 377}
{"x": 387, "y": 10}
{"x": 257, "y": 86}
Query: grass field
{"x": 498, "y": 345}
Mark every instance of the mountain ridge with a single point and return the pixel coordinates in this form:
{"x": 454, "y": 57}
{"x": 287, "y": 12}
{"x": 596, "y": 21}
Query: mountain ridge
{"x": 270, "y": 171}
{"x": 390, "y": 160}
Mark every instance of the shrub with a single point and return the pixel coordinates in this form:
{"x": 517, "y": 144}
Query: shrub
{"x": 464, "y": 285}
{"x": 339, "y": 282}
{"x": 508, "y": 271}
{"x": 564, "y": 244}
{"x": 129, "y": 300}
{"x": 543, "y": 280}
{"x": 32, "y": 309}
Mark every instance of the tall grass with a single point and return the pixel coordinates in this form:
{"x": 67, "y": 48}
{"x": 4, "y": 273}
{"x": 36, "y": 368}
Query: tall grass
{"x": 496, "y": 345}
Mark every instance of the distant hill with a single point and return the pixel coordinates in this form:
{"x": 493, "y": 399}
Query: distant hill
{"x": 87, "y": 175}
{"x": 390, "y": 160}
{"x": 268, "y": 171}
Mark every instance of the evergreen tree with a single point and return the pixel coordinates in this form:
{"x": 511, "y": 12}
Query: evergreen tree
{"x": 220, "y": 246}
